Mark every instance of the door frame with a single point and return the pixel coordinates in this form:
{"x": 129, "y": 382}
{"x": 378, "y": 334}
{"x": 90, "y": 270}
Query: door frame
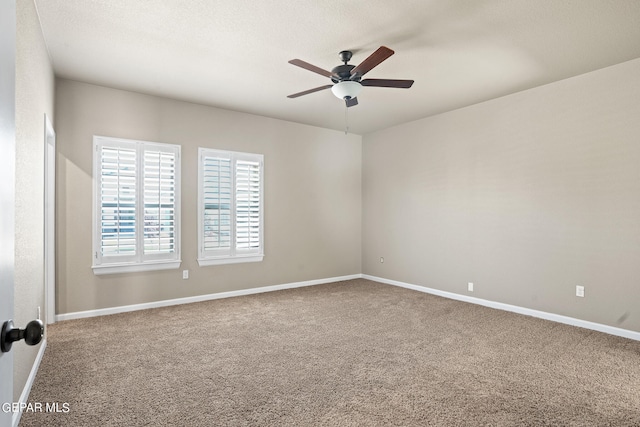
{"x": 49, "y": 221}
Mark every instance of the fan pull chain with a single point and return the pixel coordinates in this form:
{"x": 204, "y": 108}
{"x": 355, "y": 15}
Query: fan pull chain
{"x": 346, "y": 119}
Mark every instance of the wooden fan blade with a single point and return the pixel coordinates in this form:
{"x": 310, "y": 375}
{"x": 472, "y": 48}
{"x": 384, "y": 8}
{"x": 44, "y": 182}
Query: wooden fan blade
{"x": 351, "y": 102}
{"x": 372, "y": 61}
{"x": 300, "y": 63}
{"x": 402, "y": 84}
{"x": 306, "y": 92}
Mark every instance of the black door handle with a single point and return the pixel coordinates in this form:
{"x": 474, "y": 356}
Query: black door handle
{"x": 32, "y": 334}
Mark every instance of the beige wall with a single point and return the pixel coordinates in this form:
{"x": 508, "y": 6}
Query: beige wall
{"x": 34, "y": 98}
{"x": 312, "y": 196}
{"x": 527, "y": 196}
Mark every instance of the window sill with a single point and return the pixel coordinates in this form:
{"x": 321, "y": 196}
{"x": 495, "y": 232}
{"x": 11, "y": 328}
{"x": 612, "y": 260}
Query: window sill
{"x": 99, "y": 270}
{"x": 202, "y": 262}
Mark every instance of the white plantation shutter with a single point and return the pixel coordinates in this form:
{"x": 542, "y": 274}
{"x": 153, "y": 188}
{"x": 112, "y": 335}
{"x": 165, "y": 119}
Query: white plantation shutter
{"x": 137, "y": 205}
{"x": 118, "y": 177}
{"x": 217, "y": 182}
{"x": 230, "y": 212}
{"x": 159, "y": 202}
{"x": 247, "y": 204}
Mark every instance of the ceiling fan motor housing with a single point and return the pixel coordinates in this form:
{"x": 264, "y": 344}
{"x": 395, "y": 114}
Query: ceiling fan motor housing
{"x": 342, "y": 73}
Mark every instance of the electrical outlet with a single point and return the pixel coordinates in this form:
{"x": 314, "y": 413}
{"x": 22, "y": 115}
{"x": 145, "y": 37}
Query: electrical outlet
{"x": 470, "y": 287}
{"x": 185, "y": 274}
{"x": 580, "y": 291}
{"x": 381, "y": 260}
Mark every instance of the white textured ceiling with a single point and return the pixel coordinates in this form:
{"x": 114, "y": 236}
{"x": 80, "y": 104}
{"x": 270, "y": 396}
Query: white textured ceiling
{"x": 233, "y": 54}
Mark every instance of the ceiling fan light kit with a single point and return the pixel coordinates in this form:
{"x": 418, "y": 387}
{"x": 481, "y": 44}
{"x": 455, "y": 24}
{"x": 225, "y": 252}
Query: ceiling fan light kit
{"x": 346, "y": 90}
{"x": 347, "y": 79}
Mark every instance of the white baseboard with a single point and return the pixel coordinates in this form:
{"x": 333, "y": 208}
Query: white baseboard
{"x": 199, "y": 298}
{"x": 24, "y": 396}
{"x": 514, "y": 308}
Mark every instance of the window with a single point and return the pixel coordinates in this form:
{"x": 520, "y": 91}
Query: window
{"x": 230, "y": 207}
{"x": 136, "y": 223}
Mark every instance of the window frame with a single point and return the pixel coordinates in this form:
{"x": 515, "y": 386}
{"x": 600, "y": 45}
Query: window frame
{"x": 233, "y": 254}
{"x": 140, "y": 261}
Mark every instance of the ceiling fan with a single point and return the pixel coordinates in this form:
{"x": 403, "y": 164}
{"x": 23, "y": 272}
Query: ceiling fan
{"x": 347, "y": 79}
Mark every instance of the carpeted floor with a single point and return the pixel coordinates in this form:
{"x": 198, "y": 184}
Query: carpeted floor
{"x": 354, "y": 353}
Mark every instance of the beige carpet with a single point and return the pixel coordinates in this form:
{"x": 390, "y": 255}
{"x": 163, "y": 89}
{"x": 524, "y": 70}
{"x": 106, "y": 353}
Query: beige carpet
{"x": 354, "y": 353}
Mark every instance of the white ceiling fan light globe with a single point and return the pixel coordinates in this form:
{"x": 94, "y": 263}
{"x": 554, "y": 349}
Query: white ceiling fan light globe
{"x": 346, "y": 89}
